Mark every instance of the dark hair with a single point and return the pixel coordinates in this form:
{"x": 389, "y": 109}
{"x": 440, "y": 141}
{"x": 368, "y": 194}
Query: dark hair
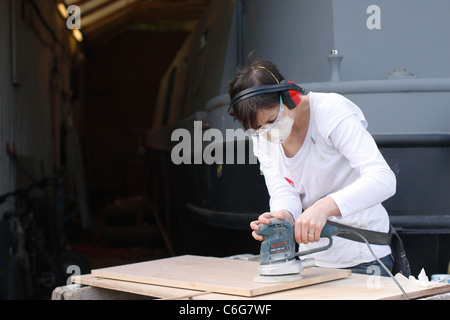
{"x": 257, "y": 73}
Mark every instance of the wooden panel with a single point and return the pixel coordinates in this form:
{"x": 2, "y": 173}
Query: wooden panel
{"x": 141, "y": 289}
{"x": 355, "y": 287}
{"x": 211, "y": 274}
{"x": 92, "y": 293}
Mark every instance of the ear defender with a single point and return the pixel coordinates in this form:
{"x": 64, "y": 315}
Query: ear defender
{"x": 292, "y": 97}
{"x": 290, "y": 93}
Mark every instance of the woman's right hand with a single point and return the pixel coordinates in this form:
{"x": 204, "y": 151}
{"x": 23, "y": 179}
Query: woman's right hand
{"x": 265, "y": 218}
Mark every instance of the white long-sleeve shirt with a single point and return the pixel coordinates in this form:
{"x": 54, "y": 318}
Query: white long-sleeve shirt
{"x": 340, "y": 159}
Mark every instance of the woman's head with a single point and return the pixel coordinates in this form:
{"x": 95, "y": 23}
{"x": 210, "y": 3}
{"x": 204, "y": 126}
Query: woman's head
{"x": 257, "y": 73}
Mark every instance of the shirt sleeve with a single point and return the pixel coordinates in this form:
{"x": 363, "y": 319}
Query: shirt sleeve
{"x": 376, "y": 183}
{"x": 282, "y": 195}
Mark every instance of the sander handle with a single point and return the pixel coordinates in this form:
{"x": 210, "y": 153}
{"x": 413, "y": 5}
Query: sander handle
{"x": 328, "y": 231}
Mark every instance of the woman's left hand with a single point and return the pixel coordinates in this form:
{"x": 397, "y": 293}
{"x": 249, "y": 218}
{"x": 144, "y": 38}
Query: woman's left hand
{"x": 310, "y": 223}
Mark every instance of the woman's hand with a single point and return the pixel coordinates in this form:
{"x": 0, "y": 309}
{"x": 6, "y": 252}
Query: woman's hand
{"x": 265, "y": 218}
{"x": 310, "y": 223}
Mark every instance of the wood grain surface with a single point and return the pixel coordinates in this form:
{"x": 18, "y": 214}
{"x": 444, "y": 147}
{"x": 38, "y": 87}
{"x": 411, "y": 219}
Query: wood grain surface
{"x": 211, "y": 274}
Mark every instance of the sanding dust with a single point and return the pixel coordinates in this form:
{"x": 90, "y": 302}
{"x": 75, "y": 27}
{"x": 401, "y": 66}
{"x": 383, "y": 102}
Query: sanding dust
{"x": 421, "y": 281}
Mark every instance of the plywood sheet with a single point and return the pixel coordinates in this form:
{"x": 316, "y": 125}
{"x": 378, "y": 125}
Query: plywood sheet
{"x": 355, "y": 287}
{"x": 211, "y": 274}
{"x": 142, "y": 289}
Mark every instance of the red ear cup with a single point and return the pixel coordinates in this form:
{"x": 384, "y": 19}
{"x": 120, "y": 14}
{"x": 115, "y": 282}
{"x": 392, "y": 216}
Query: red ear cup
{"x": 295, "y": 95}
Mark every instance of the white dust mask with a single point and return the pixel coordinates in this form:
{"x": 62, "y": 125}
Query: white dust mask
{"x": 280, "y": 131}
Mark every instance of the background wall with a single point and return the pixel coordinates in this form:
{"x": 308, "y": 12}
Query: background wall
{"x": 36, "y": 54}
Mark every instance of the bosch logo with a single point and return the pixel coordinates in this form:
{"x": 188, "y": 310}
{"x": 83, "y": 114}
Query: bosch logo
{"x": 279, "y": 244}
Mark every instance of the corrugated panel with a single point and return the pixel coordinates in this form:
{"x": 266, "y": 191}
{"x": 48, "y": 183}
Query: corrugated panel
{"x": 27, "y": 111}
{"x": 6, "y": 92}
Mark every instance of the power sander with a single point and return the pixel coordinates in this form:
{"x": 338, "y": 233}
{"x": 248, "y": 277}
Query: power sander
{"x": 278, "y": 260}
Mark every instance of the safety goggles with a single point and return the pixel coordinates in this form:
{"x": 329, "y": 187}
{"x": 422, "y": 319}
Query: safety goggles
{"x": 269, "y": 126}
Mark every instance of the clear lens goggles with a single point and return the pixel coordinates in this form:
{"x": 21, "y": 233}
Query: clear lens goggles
{"x": 268, "y": 126}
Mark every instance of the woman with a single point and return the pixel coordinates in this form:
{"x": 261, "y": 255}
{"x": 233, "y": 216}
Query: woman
{"x": 319, "y": 163}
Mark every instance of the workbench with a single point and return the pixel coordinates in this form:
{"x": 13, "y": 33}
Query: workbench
{"x": 347, "y": 286}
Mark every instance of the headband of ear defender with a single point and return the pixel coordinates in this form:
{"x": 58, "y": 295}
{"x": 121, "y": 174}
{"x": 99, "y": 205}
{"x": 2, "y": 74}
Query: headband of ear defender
{"x": 290, "y": 93}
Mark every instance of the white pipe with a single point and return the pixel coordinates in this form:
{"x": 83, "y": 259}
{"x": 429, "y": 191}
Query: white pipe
{"x": 378, "y": 86}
